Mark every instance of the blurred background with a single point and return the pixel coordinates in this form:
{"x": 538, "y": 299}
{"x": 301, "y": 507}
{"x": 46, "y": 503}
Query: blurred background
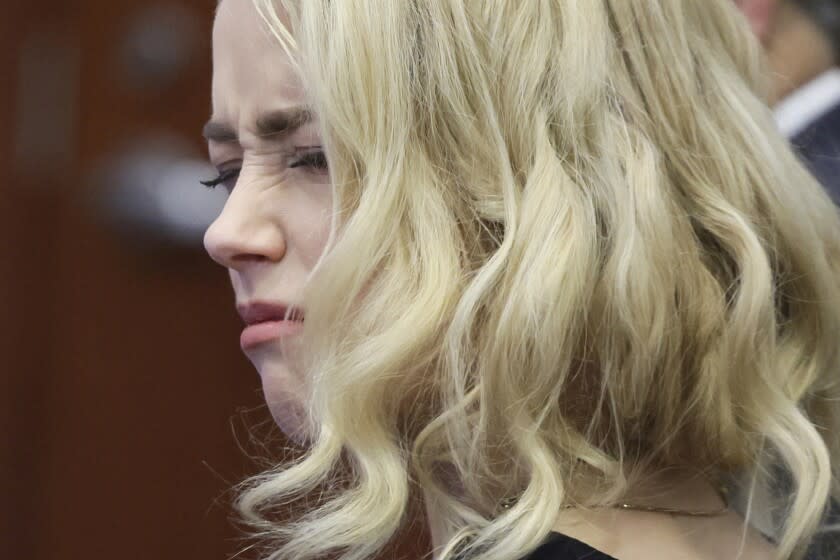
{"x": 127, "y": 410}
{"x": 121, "y": 376}
{"x": 126, "y": 407}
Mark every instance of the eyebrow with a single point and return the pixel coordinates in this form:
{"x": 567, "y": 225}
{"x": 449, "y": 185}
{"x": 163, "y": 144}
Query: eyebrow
{"x": 274, "y": 125}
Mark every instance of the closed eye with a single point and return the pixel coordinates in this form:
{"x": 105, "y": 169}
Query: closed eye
{"x": 227, "y": 178}
{"x": 316, "y": 161}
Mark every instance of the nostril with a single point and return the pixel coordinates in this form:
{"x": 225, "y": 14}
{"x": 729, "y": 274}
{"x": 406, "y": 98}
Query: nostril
{"x": 249, "y": 257}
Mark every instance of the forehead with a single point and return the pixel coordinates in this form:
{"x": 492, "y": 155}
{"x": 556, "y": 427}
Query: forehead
{"x": 251, "y": 71}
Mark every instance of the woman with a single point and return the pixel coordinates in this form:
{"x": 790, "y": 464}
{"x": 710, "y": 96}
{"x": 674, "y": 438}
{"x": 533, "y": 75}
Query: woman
{"x": 558, "y": 272}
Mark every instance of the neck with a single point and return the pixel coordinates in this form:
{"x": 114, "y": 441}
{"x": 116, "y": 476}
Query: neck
{"x": 797, "y": 50}
{"x": 437, "y": 531}
{"x": 676, "y": 489}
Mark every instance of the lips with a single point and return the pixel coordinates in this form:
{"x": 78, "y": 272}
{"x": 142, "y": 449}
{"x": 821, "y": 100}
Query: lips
{"x": 259, "y": 312}
{"x": 267, "y": 321}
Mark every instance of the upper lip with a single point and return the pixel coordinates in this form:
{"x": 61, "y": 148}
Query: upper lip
{"x": 259, "y": 312}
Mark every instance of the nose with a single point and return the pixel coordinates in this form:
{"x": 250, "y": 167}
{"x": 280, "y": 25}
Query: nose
{"x": 243, "y": 234}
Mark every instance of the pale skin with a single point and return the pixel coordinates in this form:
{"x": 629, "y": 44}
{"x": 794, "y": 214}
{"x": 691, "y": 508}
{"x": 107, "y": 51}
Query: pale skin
{"x": 273, "y": 229}
{"x": 276, "y": 221}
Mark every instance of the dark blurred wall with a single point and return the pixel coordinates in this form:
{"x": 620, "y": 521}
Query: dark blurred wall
{"x": 121, "y": 373}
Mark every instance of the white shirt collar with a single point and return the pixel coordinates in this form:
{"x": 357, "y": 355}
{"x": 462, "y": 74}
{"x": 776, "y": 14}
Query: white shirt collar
{"x": 808, "y": 103}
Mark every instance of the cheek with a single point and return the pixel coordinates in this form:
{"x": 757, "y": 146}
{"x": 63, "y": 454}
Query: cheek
{"x": 316, "y": 244}
{"x": 313, "y": 226}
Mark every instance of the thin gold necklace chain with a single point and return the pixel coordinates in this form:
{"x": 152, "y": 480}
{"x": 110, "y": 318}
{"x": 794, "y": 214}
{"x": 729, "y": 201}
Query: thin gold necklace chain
{"x": 509, "y": 503}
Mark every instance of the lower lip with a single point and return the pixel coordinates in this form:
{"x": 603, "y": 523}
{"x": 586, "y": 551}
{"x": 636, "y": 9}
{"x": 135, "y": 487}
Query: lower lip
{"x": 260, "y": 333}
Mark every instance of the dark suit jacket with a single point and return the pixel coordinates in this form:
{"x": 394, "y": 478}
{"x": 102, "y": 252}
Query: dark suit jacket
{"x": 819, "y": 147}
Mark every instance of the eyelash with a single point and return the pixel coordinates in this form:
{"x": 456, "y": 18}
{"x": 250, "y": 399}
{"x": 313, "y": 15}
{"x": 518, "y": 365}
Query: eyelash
{"x": 316, "y": 161}
{"x": 223, "y": 177}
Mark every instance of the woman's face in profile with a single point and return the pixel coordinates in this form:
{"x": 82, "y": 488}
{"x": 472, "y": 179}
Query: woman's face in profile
{"x": 265, "y": 144}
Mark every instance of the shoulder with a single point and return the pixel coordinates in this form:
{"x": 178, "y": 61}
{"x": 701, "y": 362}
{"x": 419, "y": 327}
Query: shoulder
{"x": 819, "y": 147}
{"x": 820, "y": 135}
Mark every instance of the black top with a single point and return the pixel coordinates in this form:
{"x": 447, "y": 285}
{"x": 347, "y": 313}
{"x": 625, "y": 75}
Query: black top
{"x": 562, "y": 547}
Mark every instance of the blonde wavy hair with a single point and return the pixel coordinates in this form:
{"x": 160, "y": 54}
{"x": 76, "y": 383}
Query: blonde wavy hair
{"x": 569, "y": 248}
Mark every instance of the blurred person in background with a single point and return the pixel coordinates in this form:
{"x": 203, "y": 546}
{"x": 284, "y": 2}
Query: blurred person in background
{"x": 525, "y": 260}
{"x": 801, "y": 39}
{"x": 802, "y": 42}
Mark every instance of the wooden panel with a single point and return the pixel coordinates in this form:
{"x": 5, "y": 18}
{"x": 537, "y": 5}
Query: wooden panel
{"x": 122, "y": 366}
{"x": 121, "y": 372}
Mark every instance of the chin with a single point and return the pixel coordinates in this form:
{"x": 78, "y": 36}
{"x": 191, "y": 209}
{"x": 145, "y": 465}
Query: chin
{"x": 283, "y": 393}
